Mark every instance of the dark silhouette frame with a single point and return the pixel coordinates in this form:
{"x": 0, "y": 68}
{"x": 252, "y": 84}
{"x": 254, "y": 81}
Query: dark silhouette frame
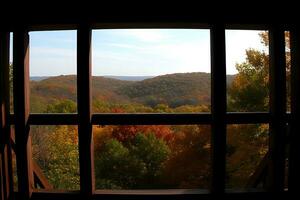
{"x": 218, "y": 118}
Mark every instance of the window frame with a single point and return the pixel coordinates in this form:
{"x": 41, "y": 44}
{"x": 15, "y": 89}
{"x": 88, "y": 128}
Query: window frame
{"x": 218, "y": 118}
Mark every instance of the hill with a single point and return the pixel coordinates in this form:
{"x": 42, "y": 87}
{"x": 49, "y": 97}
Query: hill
{"x": 172, "y": 89}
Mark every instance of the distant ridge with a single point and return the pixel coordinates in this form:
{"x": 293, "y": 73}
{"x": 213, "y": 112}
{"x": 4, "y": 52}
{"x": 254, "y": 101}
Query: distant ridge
{"x": 122, "y": 78}
{"x": 38, "y": 78}
{"x": 130, "y": 78}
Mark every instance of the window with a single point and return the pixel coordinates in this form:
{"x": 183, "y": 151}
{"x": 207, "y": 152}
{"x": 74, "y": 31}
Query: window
{"x": 220, "y": 123}
{"x": 151, "y": 70}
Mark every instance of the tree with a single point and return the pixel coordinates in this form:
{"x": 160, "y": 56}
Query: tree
{"x": 136, "y": 165}
{"x": 249, "y": 90}
{"x": 152, "y": 152}
{"x": 62, "y": 106}
{"x": 188, "y": 165}
{"x": 115, "y": 167}
{"x": 247, "y": 144}
{"x": 55, "y": 149}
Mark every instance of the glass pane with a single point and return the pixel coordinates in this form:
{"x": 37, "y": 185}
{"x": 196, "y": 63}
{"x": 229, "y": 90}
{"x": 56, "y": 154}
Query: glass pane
{"x": 151, "y": 70}
{"x": 53, "y": 72}
{"x": 55, "y": 153}
{"x": 247, "y": 62}
{"x": 152, "y": 157}
{"x": 247, "y": 147}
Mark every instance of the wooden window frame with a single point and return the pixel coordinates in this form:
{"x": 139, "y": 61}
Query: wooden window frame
{"x": 218, "y": 118}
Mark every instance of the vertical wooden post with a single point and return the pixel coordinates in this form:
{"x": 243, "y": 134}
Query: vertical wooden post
{"x": 86, "y": 146}
{"x": 294, "y": 157}
{"x": 6, "y": 184}
{"x": 218, "y": 104}
{"x": 21, "y": 110}
{"x": 277, "y": 108}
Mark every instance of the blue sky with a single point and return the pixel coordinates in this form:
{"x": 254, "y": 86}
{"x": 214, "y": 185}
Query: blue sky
{"x": 136, "y": 52}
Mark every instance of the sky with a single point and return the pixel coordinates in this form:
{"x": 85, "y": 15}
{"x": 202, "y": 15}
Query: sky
{"x": 137, "y": 52}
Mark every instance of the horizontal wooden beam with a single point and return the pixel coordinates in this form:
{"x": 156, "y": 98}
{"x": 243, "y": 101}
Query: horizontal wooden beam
{"x": 174, "y": 194}
{"x": 150, "y": 25}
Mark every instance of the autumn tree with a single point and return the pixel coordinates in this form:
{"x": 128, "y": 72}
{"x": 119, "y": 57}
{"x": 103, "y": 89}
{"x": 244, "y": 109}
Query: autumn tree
{"x": 188, "y": 165}
{"x": 249, "y": 90}
{"x": 62, "y": 106}
{"x": 55, "y": 149}
{"x": 134, "y": 165}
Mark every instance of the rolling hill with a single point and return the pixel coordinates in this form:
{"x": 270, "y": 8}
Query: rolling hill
{"x": 172, "y": 89}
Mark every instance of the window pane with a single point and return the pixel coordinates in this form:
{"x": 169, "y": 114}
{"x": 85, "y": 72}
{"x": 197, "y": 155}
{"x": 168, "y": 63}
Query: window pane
{"x": 152, "y": 157}
{"x": 53, "y": 72}
{"x": 247, "y": 147}
{"x": 151, "y": 70}
{"x": 55, "y": 153}
{"x": 247, "y": 67}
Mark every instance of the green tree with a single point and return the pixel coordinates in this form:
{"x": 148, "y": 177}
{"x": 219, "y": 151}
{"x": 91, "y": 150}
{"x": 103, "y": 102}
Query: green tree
{"x": 116, "y": 167}
{"x": 152, "y": 152}
{"x": 130, "y": 166}
{"x": 55, "y": 149}
{"x": 249, "y": 90}
{"x": 62, "y": 106}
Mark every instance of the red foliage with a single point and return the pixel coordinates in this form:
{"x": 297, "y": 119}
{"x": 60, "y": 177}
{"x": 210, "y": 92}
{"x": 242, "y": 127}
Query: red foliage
{"x": 117, "y": 110}
{"x": 127, "y": 133}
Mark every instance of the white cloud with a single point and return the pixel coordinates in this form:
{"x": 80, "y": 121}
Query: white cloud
{"x": 145, "y": 35}
{"x": 153, "y": 59}
{"x": 126, "y": 46}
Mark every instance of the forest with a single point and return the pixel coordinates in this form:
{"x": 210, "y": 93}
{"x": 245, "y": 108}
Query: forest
{"x": 153, "y": 156}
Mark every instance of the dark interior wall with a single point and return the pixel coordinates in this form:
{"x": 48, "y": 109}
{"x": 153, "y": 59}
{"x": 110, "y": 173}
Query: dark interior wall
{"x": 56, "y": 15}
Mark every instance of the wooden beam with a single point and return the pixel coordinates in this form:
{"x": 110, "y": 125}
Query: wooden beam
{"x": 21, "y": 110}
{"x": 277, "y": 73}
{"x": 86, "y": 157}
{"x": 6, "y": 187}
{"x": 294, "y": 157}
{"x": 39, "y": 177}
{"x": 177, "y": 194}
{"x": 259, "y": 173}
{"x": 218, "y": 108}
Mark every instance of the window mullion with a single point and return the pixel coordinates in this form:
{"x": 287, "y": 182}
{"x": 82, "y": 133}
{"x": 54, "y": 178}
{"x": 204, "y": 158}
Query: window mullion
{"x": 84, "y": 110}
{"x": 275, "y": 181}
{"x": 21, "y": 110}
{"x": 6, "y": 188}
{"x": 294, "y": 158}
{"x": 218, "y": 104}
